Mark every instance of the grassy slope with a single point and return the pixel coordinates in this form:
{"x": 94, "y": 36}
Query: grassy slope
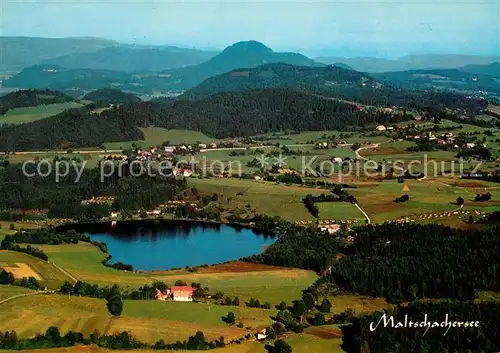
{"x": 52, "y": 277}
{"x": 83, "y": 261}
{"x": 156, "y": 136}
{"x": 7, "y": 291}
{"x": 28, "y": 114}
{"x": 276, "y": 200}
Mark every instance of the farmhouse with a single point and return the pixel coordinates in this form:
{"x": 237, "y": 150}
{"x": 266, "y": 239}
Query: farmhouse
{"x": 182, "y": 293}
{"x": 184, "y": 172}
{"x": 337, "y": 159}
{"x": 169, "y": 149}
{"x": 380, "y": 128}
{"x": 261, "y": 335}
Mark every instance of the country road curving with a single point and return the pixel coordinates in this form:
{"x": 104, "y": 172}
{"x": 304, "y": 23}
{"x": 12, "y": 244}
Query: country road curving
{"x": 20, "y": 296}
{"x": 363, "y": 212}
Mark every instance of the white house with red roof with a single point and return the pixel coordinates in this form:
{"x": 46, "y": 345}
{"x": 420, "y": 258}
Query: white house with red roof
{"x": 182, "y": 293}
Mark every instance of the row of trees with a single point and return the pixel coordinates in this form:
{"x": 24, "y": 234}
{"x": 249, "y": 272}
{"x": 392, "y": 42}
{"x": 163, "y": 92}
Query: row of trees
{"x": 124, "y": 340}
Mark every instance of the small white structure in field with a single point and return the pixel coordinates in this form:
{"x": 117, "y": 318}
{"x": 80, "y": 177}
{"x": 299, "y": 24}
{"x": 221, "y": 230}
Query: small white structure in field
{"x": 380, "y": 128}
{"x": 261, "y": 335}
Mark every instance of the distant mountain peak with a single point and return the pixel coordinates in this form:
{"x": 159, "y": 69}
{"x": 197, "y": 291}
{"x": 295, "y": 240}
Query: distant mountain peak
{"x": 250, "y": 45}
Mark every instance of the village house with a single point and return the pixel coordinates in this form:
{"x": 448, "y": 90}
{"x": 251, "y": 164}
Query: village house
{"x": 322, "y": 145}
{"x": 330, "y": 228}
{"x": 470, "y": 145}
{"x": 170, "y": 149}
{"x": 182, "y": 293}
{"x": 337, "y": 159}
{"x": 202, "y": 145}
{"x": 153, "y": 212}
{"x": 115, "y": 214}
{"x": 380, "y": 128}
{"x": 184, "y": 172}
{"x": 213, "y": 145}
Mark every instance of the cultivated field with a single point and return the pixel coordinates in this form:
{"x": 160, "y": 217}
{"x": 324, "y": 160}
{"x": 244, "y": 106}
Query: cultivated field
{"x": 49, "y": 275}
{"x": 28, "y": 114}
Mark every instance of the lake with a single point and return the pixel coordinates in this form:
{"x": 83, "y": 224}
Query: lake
{"x": 159, "y": 245}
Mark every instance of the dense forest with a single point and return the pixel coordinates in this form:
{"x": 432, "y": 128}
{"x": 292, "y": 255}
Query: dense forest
{"x": 297, "y": 246}
{"x": 223, "y": 115}
{"x": 444, "y": 78}
{"x": 111, "y": 96}
{"x": 63, "y": 199}
{"x": 447, "y": 338}
{"x": 31, "y": 98}
{"x": 419, "y": 261}
{"x": 330, "y": 81}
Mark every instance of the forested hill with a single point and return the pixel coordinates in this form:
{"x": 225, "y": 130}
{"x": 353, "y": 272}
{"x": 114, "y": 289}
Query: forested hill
{"x": 279, "y": 75}
{"x": 133, "y": 58}
{"x": 441, "y": 78}
{"x": 330, "y": 81}
{"x": 31, "y": 98}
{"x": 222, "y": 115}
{"x": 111, "y": 96}
{"x": 59, "y": 78}
{"x": 239, "y": 55}
{"x": 492, "y": 69}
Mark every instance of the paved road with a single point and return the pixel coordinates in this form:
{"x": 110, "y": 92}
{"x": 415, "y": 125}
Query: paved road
{"x": 363, "y": 212}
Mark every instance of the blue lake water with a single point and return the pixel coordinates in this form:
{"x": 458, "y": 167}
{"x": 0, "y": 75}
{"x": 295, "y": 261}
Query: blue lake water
{"x": 159, "y": 245}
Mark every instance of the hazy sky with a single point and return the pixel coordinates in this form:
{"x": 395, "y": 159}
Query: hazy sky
{"x": 384, "y": 28}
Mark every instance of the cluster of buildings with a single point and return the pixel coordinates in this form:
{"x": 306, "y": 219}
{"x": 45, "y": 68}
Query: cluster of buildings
{"x": 445, "y": 139}
{"x": 98, "y": 200}
{"x": 176, "y": 293}
{"x": 383, "y": 127}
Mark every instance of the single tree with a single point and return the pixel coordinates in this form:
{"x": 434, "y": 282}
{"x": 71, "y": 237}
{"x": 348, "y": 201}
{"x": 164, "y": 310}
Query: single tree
{"x": 230, "y": 318}
{"x": 319, "y": 319}
{"x": 281, "y": 346}
{"x": 460, "y": 201}
{"x": 325, "y": 306}
{"x": 309, "y": 301}
{"x": 115, "y": 305}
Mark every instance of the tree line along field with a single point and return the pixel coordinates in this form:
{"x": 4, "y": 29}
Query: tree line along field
{"x": 28, "y": 114}
{"x": 300, "y": 343}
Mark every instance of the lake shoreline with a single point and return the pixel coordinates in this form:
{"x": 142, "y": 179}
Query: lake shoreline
{"x": 174, "y": 244}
